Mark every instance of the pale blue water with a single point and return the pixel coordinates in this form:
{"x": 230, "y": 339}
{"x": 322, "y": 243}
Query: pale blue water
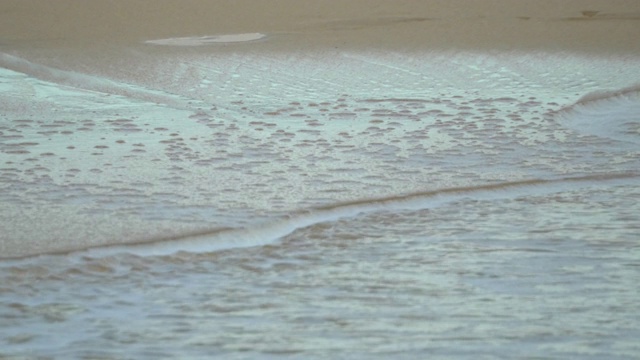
{"x": 319, "y": 205}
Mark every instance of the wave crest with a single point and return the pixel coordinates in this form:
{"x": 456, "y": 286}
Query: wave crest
{"x": 270, "y": 232}
{"x": 612, "y": 114}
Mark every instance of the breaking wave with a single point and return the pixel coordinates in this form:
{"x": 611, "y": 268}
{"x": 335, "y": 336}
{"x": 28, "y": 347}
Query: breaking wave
{"x": 270, "y": 232}
{"x": 614, "y": 115}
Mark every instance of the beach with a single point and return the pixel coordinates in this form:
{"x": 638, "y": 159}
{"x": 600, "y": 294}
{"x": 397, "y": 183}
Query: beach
{"x": 362, "y": 179}
{"x": 587, "y": 25}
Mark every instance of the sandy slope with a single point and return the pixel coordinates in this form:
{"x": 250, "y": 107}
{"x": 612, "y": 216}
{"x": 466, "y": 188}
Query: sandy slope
{"x": 582, "y": 25}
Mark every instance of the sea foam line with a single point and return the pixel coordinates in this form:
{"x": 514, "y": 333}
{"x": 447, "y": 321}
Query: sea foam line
{"x": 270, "y": 232}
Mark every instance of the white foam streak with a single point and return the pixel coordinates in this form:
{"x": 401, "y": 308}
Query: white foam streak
{"x": 207, "y": 40}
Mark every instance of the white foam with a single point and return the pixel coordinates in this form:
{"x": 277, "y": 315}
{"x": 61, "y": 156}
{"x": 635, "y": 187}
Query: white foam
{"x": 206, "y": 40}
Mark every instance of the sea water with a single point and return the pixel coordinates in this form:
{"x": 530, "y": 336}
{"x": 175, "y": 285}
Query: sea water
{"x": 322, "y": 204}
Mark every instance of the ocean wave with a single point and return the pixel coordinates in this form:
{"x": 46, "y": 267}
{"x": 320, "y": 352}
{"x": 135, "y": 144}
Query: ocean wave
{"x": 270, "y": 232}
{"x": 611, "y": 114}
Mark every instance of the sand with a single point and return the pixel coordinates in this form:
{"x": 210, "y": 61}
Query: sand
{"x": 601, "y": 26}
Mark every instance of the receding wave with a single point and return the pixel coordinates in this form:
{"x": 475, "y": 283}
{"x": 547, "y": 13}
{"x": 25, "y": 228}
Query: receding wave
{"x": 613, "y": 114}
{"x": 270, "y": 232}
{"x": 89, "y": 82}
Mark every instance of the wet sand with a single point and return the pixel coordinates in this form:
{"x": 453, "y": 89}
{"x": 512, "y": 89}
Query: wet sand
{"x": 600, "y": 26}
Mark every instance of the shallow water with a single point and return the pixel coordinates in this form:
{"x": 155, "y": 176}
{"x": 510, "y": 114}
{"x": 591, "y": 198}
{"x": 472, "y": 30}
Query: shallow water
{"x": 323, "y": 204}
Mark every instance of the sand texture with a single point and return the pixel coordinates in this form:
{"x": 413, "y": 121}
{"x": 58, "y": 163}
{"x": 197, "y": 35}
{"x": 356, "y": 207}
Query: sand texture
{"x": 580, "y": 25}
